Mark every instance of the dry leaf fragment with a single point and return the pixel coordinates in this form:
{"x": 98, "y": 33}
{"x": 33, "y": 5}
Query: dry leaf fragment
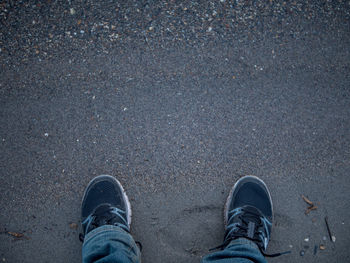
{"x": 14, "y": 234}
{"x": 307, "y": 200}
{"x": 310, "y": 208}
{"x": 311, "y": 205}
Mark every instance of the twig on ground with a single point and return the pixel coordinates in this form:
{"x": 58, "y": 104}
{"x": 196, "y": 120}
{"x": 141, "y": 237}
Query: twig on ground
{"x": 331, "y": 237}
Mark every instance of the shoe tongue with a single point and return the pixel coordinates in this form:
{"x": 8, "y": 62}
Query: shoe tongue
{"x": 252, "y": 218}
{"x": 252, "y": 210}
{"x": 101, "y": 209}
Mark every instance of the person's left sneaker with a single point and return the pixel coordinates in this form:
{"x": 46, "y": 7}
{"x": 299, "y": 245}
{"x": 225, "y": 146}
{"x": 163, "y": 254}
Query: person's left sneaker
{"x": 105, "y": 203}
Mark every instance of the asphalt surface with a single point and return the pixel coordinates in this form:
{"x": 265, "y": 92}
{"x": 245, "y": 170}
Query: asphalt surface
{"x": 177, "y": 100}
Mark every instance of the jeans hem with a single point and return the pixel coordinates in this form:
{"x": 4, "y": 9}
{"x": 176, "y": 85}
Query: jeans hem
{"x": 101, "y": 229}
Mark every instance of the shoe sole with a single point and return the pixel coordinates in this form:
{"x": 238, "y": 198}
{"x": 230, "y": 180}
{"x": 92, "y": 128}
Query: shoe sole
{"x": 234, "y": 188}
{"x": 125, "y": 197}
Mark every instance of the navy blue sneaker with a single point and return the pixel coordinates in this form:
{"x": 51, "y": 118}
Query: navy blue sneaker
{"x": 249, "y": 213}
{"x": 105, "y": 203}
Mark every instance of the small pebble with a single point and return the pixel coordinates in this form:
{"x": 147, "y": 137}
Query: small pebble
{"x": 302, "y": 253}
{"x": 322, "y": 247}
{"x": 72, "y": 11}
{"x": 73, "y": 225}
{"x": 46, "y": 134}
{"x": 210, "y": 29}
{"x": 306, "y": 239}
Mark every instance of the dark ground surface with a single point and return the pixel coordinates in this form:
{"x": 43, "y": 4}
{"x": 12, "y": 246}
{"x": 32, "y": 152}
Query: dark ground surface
{"x": 177, "y": 100}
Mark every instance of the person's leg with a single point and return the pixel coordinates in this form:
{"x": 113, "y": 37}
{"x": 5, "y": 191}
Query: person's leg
{"x": 240, "y": 250}
{"x": 106, "y": 218}
{"x": 248, "y": 221}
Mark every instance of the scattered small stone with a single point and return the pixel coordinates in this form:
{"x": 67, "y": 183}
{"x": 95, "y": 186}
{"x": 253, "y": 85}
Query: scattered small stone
{"x": 307, "y": 239}
{"x": 322, "y": 247}
{"x": 72, "y": 11}
{"x": 210, "y": 29}
{"x": 73, "y": 226}
{"x": 302, "y": 253}
{"x": 46, "y": 134}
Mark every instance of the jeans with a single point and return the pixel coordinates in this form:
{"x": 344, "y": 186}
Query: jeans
{"x": 107, "y": 244}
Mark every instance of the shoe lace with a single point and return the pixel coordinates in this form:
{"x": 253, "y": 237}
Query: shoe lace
{"x": 105, "y": 214}
{"x": 252, "y": 226}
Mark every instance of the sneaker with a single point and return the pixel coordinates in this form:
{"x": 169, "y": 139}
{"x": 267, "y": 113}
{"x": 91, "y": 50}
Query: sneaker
{"x": 249, "y": 213}
{"x": 105, "y": 203}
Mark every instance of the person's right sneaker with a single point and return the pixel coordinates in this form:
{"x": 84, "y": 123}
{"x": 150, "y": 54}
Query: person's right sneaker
{"x": 105, "y": 203}
{"x": 249, "y": 213}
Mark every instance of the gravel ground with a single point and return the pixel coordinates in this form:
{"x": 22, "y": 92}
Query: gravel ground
{"x": 177, "y": 100}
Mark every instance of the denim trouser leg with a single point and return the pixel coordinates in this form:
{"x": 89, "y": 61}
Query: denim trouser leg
{"x": 240, "y": 250}
{"x": 107, "y": 244}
